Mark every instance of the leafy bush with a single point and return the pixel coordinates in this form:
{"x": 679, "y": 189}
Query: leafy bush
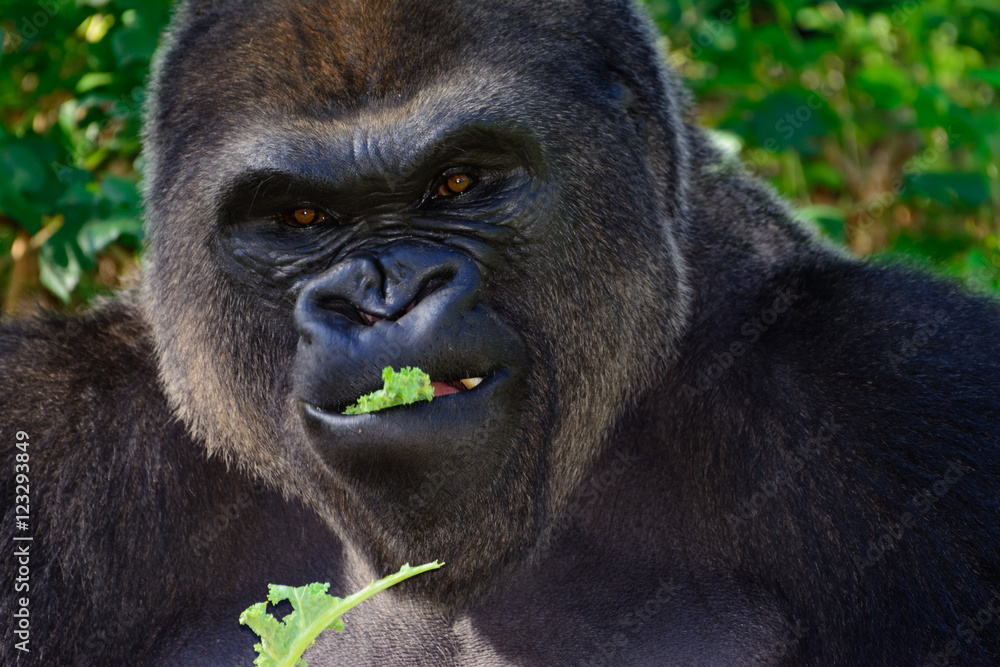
{"x": 70, "y": 114}
{"x": 880, "y": 120}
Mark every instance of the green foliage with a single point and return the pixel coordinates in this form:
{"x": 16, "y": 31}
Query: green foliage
{"x": 879, "y": 119}
{"x": 70, "y": 109}
{"x": 407, "y": 386}
{"x": 282, "y": 643}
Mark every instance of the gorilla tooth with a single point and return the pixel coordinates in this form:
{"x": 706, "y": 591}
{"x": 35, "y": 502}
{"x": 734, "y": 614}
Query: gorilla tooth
{"x": 471, "y": 383}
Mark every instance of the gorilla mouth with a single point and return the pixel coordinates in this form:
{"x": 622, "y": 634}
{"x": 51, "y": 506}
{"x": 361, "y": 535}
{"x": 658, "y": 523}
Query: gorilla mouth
{"x": 455, "y": 387}
{"x": 441, "y": 388}
{"x": 411, "y": 303}
{"x": 423, "y": 430}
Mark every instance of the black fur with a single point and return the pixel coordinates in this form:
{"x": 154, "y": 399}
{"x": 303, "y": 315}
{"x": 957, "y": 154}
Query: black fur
{"x": 729, "y": 444}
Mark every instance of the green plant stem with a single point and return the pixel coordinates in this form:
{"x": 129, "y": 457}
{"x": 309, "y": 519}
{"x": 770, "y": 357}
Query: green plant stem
{"x": 306, "y": 639}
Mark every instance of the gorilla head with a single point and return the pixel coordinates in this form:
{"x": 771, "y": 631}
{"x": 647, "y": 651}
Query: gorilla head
{"x": 472, "y": 188}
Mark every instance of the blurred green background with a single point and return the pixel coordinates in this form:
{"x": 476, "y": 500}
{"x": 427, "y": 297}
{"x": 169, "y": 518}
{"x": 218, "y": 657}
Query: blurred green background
{"x": 880, "y": 120}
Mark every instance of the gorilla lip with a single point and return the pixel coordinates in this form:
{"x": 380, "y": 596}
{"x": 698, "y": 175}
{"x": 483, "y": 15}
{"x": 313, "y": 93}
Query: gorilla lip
{"x": 415, "y": 427}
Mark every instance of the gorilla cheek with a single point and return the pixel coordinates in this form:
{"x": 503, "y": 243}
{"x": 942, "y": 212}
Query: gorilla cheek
{"x": 408, "y": 304}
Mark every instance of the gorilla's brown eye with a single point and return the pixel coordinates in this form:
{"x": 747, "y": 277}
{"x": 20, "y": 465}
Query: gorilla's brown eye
{"x": 303, "y": 217}
{"x": 455, "y": 185}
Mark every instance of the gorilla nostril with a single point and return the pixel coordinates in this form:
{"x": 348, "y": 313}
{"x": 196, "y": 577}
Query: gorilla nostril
{"x": 432, "y": 285}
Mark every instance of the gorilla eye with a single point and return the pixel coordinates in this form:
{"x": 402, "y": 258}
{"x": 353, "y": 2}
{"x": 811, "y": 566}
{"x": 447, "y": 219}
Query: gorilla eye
{"x": 455, "y": 185}
{"x": 303, "y": 217}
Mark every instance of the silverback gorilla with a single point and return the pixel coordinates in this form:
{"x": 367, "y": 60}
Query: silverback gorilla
{"x": 700, "y": 436}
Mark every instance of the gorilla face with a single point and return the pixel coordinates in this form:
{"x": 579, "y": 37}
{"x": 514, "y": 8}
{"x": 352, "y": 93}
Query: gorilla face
{"x": 337, "y": 188}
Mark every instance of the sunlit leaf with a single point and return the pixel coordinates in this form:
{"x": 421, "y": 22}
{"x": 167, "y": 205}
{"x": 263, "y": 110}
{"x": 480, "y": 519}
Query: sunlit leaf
{"x": 59, "y": 269}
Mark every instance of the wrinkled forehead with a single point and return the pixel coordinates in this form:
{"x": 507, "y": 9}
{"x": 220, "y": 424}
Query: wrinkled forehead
{"x": 324, "y": 57}
{"x": 342, "y": 50}
{"x": 244, "y": 79}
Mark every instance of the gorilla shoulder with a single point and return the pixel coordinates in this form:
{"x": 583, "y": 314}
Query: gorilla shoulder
{"x": 63, "y": 373}
{"x": 121, "y": 503}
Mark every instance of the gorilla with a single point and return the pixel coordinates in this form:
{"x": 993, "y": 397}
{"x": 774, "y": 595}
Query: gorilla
{"x": 671, "y": 426}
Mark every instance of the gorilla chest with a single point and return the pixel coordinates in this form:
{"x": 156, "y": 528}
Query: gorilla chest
{"x": 670, "y": 622}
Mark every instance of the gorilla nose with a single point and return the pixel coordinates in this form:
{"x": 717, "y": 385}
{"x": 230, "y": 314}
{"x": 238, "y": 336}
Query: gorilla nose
{"x": 385, "y": 285}
{"x": 448, "y": 332}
